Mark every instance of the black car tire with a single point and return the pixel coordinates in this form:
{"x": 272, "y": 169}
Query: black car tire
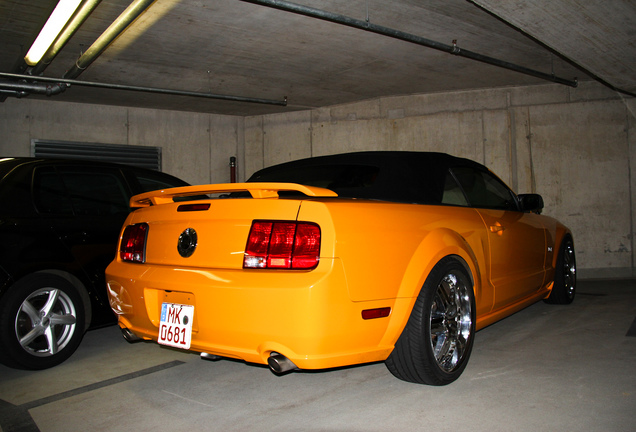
{"x": 436, "y": 343}
{"x": 49, "y": 309}
{"x": 564, "y": 288}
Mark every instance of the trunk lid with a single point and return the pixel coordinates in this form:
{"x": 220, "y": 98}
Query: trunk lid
{"x": 211, "y": 233}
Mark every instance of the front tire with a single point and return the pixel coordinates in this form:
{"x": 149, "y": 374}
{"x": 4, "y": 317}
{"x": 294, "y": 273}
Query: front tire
{"x": 436, "y": 342}
{"x": 41, "y": 322}
{"x": 564, "y": 288}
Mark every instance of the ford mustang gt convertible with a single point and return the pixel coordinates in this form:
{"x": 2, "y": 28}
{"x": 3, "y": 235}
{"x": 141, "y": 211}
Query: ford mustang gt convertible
{"x": 339, "y": 260}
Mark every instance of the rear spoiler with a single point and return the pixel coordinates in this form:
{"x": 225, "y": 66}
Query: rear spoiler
{"x": 256, "y": 190}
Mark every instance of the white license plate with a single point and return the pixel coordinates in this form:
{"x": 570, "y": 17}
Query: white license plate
{"x": 175, "y": 326}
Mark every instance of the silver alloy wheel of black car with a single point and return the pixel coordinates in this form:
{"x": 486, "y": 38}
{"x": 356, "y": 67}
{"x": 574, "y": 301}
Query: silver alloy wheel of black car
{"x": 42, "y": 322}
{"x": 45, "y": 322}
{"x": 451, "y": 321}
{"x": 436, "y": 342}
{"x": 564, "y": 287}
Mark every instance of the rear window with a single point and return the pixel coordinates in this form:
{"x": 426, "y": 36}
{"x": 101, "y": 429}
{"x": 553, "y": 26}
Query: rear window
{"x": 326, "y": 176}
{"x": 404, "y": 182}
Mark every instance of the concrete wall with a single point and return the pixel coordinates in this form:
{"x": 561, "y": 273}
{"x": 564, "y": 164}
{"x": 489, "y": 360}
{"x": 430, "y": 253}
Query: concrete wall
{"x": 574, "y": 146}
{"x": 195, "y": 147}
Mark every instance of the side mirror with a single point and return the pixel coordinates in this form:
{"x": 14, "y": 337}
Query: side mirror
{"x": 531, "y": 203}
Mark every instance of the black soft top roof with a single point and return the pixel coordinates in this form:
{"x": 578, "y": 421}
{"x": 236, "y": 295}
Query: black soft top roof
{"x": 401, "y": 176}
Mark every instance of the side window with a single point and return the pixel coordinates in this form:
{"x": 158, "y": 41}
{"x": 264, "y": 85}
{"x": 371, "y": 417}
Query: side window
{"x": 484, "y": 190}
{"x": 49, "y": 193}
{"x": 95, "y": 192}
{"x": 453, "y": 194}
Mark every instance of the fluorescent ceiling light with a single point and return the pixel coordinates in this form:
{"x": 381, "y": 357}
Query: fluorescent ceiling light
{"x": 54, "y": 25}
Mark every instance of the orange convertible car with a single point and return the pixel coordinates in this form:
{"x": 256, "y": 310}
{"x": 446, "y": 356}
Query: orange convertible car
{"x": 339, "y": 260}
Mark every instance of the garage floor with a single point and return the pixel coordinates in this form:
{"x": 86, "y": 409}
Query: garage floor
{"x": 546, "y": 368}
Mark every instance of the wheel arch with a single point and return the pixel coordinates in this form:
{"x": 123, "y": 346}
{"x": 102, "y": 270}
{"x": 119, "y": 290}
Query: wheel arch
{"x": 562, "y": 232}
{"x": 436, "y": 246}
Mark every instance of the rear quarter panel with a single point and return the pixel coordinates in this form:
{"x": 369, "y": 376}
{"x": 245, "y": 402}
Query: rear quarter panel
{"x": 388, "y": 249}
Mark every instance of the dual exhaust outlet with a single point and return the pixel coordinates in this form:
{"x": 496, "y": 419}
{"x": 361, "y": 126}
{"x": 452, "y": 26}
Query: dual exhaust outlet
{"x": 278, "y": 363}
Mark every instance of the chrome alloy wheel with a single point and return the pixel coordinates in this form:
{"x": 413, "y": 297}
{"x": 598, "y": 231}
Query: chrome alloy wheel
{"x": 451, "y": 321}
{"x": 45, "y": 322}
{"x": 569, "y": 270}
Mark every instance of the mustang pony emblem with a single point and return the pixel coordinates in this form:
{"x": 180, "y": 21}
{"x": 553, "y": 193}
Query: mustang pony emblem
{"x": 187, "y": 242}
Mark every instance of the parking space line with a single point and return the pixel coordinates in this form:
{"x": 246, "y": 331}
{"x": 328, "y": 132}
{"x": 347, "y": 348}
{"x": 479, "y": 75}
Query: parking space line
{"x": 17, "y": 418}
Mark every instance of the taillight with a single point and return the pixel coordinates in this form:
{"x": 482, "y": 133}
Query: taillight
{"x": 133, "y": 243}
{"x": 282, "y": 245}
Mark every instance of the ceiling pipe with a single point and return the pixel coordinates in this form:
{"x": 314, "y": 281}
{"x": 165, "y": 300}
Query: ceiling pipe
{"x": 69, "y": 82}
{"x": 23, "y": 89}
{"x": 118, "y": 26}
{"x": 83, "y": 11}
{"x": 397, "y": 34}
{"x": 11, "y": 93}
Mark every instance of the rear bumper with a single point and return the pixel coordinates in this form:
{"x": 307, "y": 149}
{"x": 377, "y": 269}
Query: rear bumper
{"x": 306, "y": 316}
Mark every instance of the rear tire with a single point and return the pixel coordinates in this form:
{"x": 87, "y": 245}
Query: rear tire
{"x": 41, "y": 322}
{"x": 564, "y": 288}
{"x": 436, "y": 342}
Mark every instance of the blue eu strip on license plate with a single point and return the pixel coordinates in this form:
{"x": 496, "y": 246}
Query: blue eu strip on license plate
{"x": 175, "y": 325}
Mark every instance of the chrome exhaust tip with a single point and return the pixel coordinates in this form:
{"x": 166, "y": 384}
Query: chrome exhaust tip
{"x": 278, "y": 363}
{"x": 130, "y": 336}
{"x": 211, "y": 357}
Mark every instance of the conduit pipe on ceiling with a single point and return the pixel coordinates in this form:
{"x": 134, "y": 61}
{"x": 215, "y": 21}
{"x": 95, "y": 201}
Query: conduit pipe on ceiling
{"x": 69, "y": 82}
{"x": 131, "y": 13}
{"x": 84, "y": 10}
{"x": 23, "y": 89}
{"x": 397, "y": 34}
{"x": 10, "y": 93}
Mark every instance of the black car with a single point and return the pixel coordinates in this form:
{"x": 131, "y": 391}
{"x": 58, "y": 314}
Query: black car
{"x": 59, "y": 226}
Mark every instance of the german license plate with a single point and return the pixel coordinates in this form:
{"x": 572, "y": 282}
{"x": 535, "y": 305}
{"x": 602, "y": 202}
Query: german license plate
{"x": 175, "y": 326}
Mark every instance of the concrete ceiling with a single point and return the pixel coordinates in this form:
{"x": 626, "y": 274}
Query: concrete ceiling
{"x": 241, "y": 48}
